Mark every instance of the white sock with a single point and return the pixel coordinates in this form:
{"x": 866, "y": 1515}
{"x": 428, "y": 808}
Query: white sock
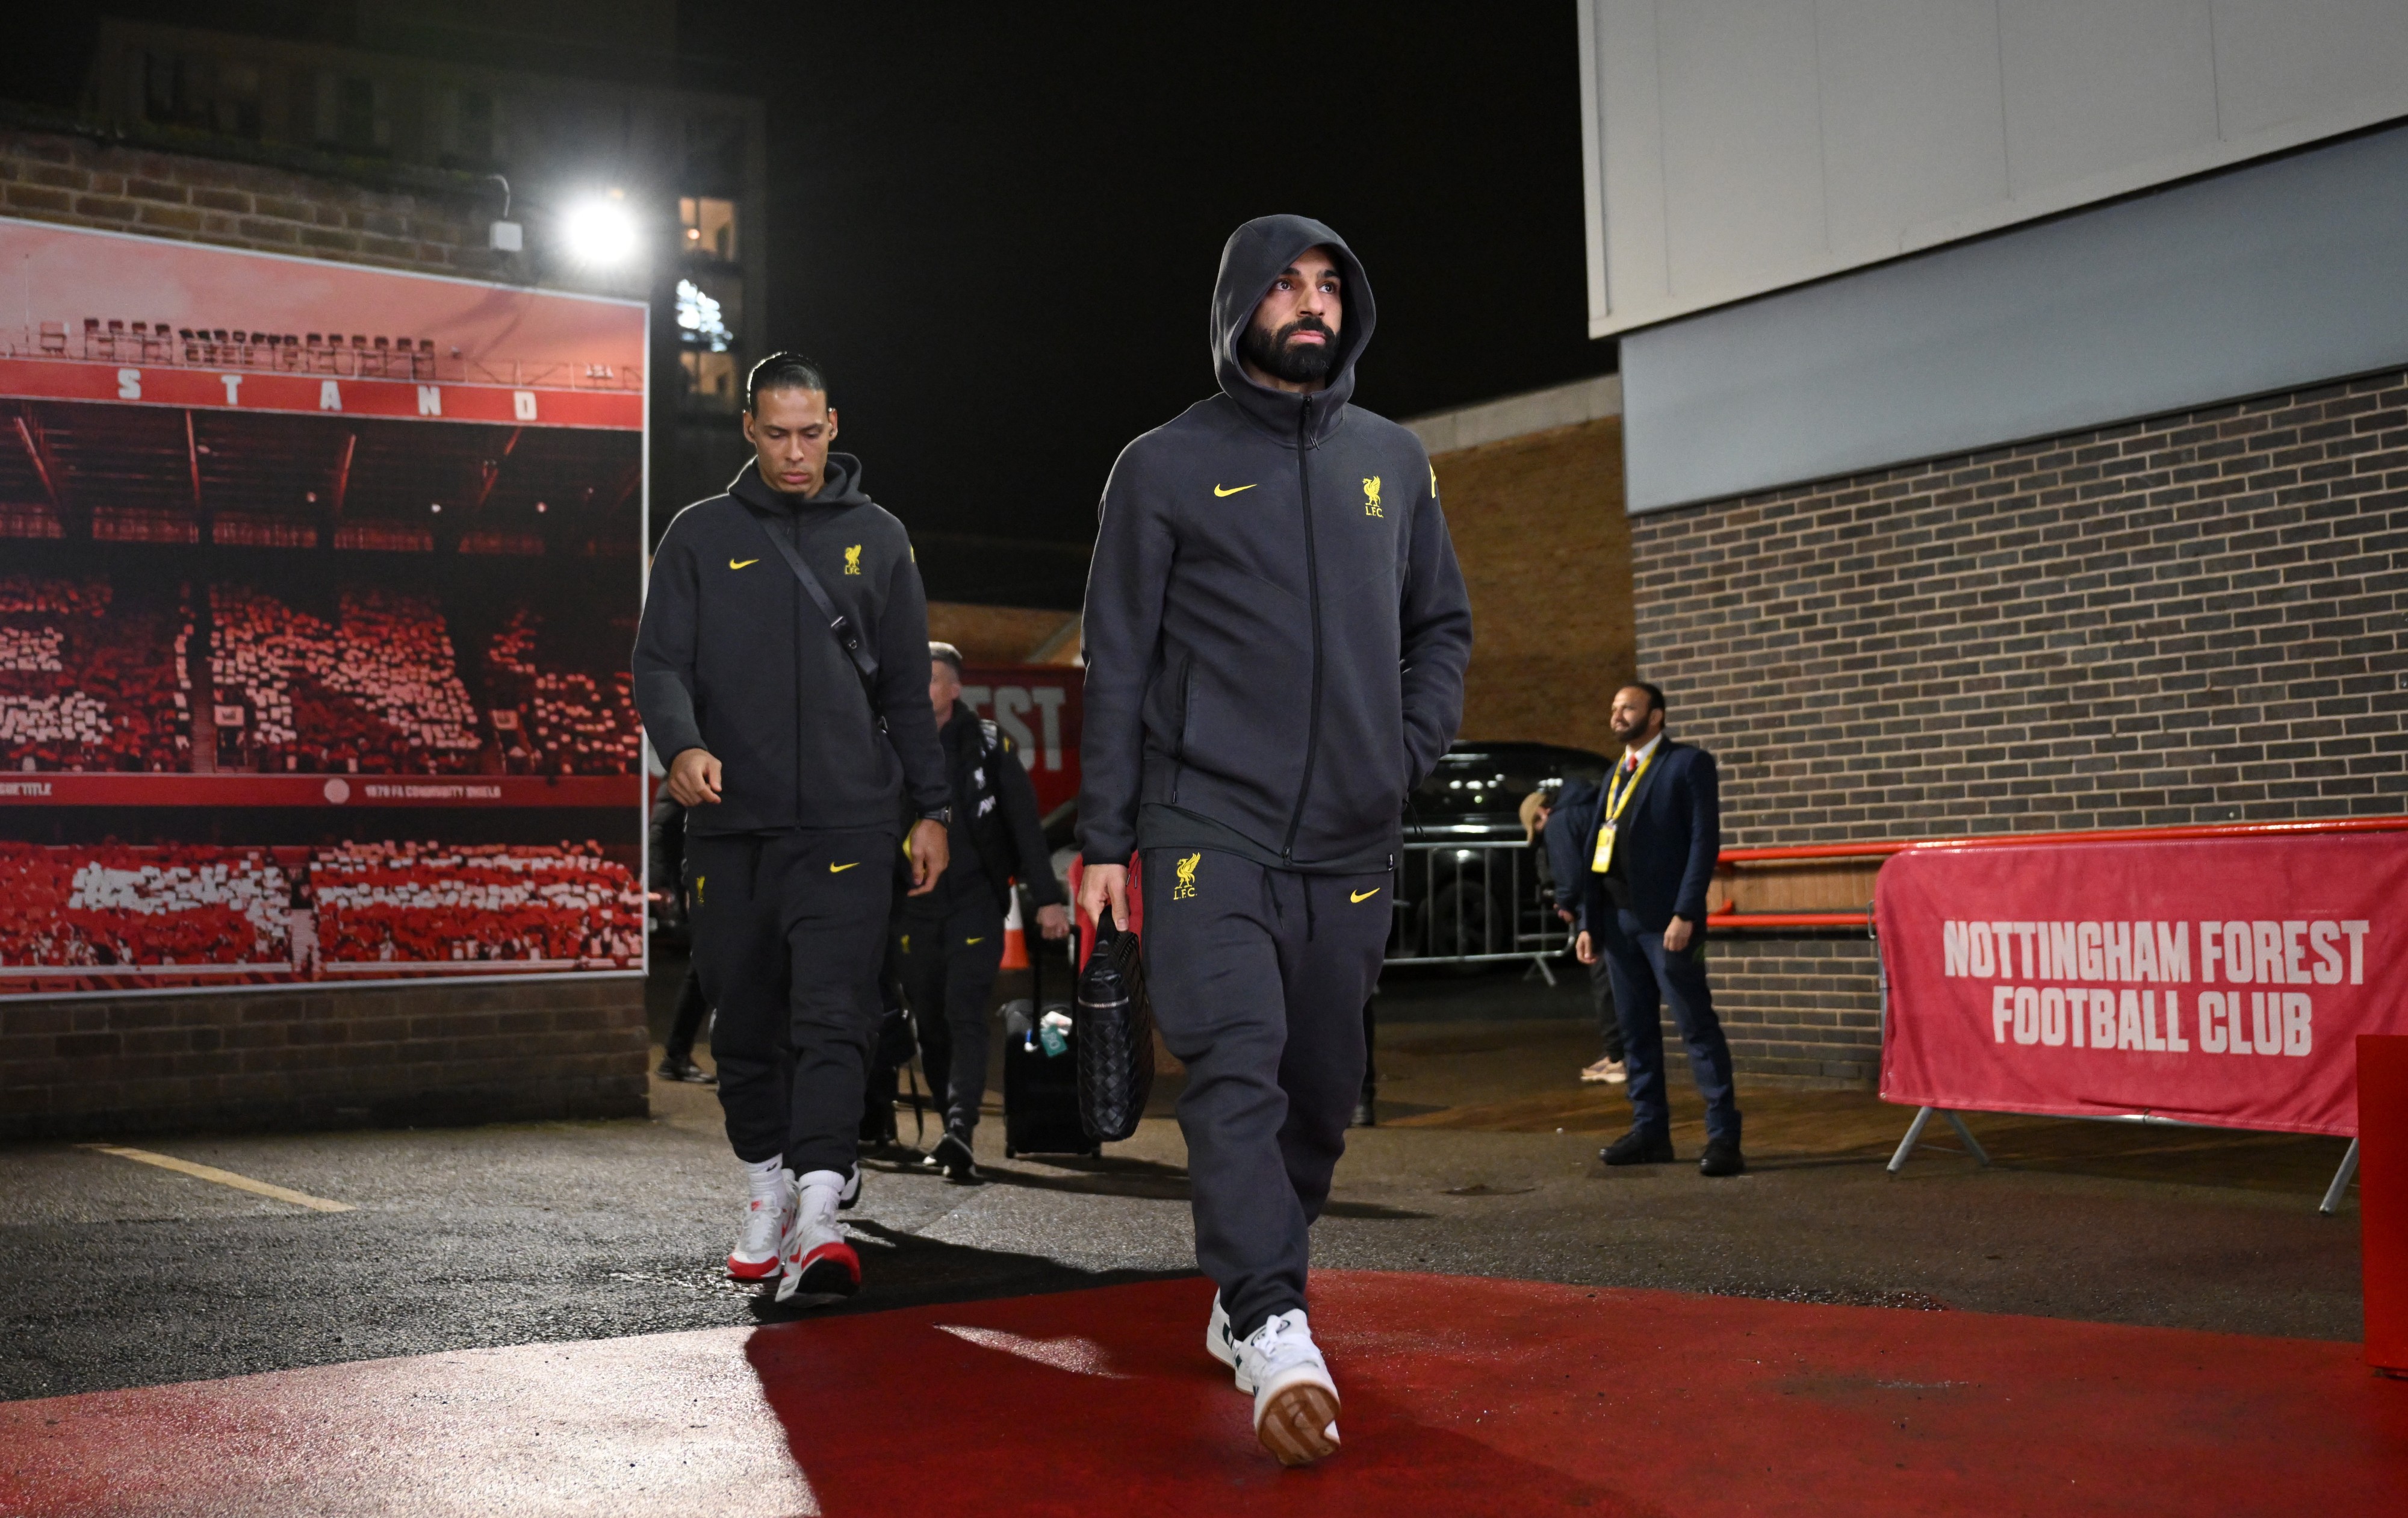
{"x": 767, "y": 1176}
{"x": 827, "y": 1181}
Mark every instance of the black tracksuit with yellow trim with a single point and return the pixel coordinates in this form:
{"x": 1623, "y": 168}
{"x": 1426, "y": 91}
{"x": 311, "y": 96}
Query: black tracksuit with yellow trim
{"x": 1276, "y": 634}
{"x": 789, "y": 877}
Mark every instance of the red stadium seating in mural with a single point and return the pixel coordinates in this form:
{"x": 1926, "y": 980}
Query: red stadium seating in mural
{"x": 421, "y": 903}
{"x": 108, "y": 905}
{"x": 582, "y": 719}
{"x": 85, "y": 684}
{"x": 375, "y": 690}
{"x": 124, "y": 906}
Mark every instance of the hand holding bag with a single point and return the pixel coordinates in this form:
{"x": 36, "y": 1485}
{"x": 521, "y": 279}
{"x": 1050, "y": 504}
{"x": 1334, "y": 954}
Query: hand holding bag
{"x": 1112, "y": 1029}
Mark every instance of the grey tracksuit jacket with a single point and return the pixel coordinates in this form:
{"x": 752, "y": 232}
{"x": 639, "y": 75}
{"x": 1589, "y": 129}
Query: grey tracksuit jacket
{"x": 1276, "y": 629}
{"x": 733, "y": 657}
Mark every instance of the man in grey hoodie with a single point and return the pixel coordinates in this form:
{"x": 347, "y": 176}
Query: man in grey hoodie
{"x": 1276, "y": 634}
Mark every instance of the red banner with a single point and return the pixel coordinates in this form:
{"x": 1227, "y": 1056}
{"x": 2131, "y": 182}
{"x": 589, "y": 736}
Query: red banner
{"x": 245, "y": 790}
{"x": 1037, "y": 706}
{"x": 2220, "y": 981}
{"x": 226, "y": 387}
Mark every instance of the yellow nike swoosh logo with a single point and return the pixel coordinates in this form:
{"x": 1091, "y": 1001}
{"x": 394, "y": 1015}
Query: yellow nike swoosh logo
{"x": 1233, "y": 488}
{"x": 967, "y": 942}
{"x": 839, "y": 870}
{"x": 738, "y": 563}
{"x": 1364, "y": 895}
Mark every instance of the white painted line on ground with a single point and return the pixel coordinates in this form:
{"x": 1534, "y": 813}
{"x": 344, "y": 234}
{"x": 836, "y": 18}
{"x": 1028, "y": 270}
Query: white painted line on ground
{"x": 224, "y": 1177}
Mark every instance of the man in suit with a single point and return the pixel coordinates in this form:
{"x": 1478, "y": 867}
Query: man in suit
{"x": 1650, "y": 853}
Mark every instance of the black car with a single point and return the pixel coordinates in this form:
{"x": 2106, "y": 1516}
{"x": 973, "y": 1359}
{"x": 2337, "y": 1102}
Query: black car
{"x": 1466, "y": 884}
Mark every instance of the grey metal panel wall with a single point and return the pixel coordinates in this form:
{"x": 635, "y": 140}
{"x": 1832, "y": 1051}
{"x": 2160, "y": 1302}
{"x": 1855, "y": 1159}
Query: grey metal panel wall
{"x": 2265, "y": 278}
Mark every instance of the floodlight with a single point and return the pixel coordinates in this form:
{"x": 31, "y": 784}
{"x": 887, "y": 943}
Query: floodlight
{"x": 600, "y": 231}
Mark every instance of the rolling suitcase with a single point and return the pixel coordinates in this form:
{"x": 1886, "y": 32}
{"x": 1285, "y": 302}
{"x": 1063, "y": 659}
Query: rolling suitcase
{"x": 1040, "y": 1088}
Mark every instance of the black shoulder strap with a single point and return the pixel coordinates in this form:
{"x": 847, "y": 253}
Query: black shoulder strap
{"x": 848, "y": 636}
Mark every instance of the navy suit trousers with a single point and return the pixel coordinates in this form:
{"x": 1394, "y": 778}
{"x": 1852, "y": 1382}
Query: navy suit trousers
{"x": 1644, "y": 977}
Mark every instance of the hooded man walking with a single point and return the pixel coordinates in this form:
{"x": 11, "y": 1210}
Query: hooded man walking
{"x": 1276, "y": 634}
{"x": 781, "y": 664}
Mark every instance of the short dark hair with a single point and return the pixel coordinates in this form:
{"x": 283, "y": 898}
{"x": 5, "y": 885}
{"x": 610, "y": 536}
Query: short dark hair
{"x": 782, "y": 371}
{"x": 946, "y": 653}
{"x": 1654, "y": 694}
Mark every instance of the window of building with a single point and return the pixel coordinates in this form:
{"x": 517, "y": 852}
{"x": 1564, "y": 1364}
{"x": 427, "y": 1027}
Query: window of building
{"x": 194, "y": 90}
{"x": 714, "y": 153}
{"x": 709, "y": 308}
{"x": 701, "y": 319}
{"x": 467, "y": 137}
{"x": 172, "y": 92}
{"x": 710, "y": 227}
{"x": 353, "y": 113}
{"x": 711, "y": 380}
{"x": 234, "y": 101}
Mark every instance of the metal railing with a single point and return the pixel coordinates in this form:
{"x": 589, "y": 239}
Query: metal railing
{"x": 359, "y": 358}
{"x": 1729, "y": 918}
{"x": 1473, "y": 902}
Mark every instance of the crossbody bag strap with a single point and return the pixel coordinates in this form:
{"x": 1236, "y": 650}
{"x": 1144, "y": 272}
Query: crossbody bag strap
{"x": 848, "y": 636}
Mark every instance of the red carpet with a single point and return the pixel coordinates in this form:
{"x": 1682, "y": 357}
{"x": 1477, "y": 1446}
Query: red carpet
{"x": 1462, "y": 1395}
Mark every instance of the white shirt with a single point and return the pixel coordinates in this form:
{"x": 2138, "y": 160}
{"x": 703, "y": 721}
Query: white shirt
{"x": 1643, "y": 752}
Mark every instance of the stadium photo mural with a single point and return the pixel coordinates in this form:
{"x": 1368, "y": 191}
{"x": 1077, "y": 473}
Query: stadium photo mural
{"x": 317, "y": 585}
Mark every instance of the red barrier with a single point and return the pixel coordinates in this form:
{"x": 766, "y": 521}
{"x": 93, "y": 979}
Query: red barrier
{"x": 2382, "y": 1195}
{"x": 2218, "y": 981}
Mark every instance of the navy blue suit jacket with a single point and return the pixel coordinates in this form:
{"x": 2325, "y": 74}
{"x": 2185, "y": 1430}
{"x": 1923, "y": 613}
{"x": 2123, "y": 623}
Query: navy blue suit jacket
{"x": 1669, "y": 835}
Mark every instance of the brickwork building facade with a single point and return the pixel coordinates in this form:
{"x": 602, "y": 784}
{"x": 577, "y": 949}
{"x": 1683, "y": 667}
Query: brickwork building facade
{"x": 48, "y": 177}
{"x": 1544, "y": 545}
{"x": 2194, "y": 618}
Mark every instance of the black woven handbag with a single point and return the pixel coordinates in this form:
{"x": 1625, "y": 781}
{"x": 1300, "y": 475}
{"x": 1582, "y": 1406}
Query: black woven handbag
{"x": 1112, "y": 1028}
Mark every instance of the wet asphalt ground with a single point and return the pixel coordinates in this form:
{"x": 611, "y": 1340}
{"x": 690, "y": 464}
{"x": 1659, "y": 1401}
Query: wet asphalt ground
{"x": 119, "y": 1274}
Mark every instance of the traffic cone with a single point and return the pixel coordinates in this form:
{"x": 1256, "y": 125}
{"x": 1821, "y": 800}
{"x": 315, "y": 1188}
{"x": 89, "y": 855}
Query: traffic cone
{"x": 1015, "y": 939}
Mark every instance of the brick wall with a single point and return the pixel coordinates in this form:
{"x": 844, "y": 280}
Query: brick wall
{"x": 1000, "y": 634}
{"x": 390, "y": 1057}
{"x": 416, "y": 1054}
{"x": 2195, "y": 618}
{"x": 51, "y": 177}
{"x": 1540, "y": 529}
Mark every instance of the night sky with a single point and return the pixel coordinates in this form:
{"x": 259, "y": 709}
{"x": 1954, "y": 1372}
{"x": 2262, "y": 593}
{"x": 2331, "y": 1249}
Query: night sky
{"x": 998, "y": 226}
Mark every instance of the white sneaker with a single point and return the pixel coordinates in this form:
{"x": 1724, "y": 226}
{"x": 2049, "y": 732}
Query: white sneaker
{"x": 814, "y": 1262}
{"x": 1295, "y": 1403}
{"x": 766, "y": 1214}
{"x": 1219, "y": 1342}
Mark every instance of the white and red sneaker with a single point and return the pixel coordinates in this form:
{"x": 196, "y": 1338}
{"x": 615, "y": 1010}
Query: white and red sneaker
{"x": 765, "y": 1216}
{"x": 815, "y": 1264}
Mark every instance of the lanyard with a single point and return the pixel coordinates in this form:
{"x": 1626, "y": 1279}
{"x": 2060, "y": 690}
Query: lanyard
{"x": 1618, "y": 795}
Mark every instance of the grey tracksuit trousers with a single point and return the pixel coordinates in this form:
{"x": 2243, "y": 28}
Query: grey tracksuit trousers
{"x": 1258, "y": 978}
{"x": 789, "y": 929}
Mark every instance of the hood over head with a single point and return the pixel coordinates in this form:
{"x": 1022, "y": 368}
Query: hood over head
{"x": 1252, "y": 259}
{"x": 839, "y": 486}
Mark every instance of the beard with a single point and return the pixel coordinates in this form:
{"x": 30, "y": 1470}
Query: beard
{"x": 1298, "y": 364}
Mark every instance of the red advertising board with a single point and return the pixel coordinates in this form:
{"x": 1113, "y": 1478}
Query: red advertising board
{"x": 1037, "y": 706}
{"x": 2221, "y": 981}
